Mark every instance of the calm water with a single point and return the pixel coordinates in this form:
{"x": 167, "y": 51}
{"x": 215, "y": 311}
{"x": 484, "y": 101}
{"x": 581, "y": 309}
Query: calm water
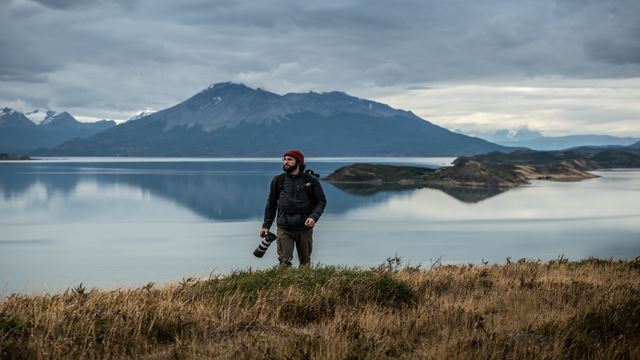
{"x": 112, "y": 222}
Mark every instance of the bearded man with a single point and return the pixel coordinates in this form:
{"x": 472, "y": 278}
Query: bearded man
{"x": 297, "y": 200}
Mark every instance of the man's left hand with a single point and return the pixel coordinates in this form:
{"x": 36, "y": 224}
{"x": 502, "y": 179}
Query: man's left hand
{"x": 309, "y": 223}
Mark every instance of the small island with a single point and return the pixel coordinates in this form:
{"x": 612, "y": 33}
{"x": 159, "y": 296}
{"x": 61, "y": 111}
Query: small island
{"x": 6, "y": 156}
{"x": 494, "y": 170}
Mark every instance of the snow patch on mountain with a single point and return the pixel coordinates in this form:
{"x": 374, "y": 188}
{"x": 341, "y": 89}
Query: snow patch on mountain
{"x": 7, "y": 112}
{"x": 221, "y": 85}
{"x": 49, "y": 117}
{"x": 140, "y": 115}
{"x": 37, "y": 116}
{"x": 214, "y": 100}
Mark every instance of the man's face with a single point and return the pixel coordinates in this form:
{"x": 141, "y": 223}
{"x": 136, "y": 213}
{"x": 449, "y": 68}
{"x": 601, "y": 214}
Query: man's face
{"x": 289, "y": 164}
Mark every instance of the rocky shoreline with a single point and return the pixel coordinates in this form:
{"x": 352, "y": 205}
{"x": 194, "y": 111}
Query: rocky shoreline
{"x": 493, "y": 171}
{"x": 5, "y": 156}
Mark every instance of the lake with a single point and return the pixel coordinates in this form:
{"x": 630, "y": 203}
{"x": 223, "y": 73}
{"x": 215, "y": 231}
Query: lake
{"x": 122, "y": 222}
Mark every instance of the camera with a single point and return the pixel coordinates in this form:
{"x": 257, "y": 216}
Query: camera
{"x": 264, "y": 245}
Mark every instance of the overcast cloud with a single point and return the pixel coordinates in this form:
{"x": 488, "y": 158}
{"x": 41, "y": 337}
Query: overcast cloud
{"x": 559, "y": 66}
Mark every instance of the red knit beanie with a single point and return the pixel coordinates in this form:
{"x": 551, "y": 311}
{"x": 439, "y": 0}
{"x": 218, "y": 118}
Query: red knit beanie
{"x": 296, "y": 154}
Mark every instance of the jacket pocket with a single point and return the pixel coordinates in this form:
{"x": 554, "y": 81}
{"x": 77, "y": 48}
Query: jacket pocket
{"x": 292, "y": 220}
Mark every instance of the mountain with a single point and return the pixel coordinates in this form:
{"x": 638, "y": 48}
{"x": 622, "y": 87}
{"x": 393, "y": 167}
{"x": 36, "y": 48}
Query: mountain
{"x": 140, "y": 115}
{"x": 11, "y": 119}
{"x": 229, "y": 119}
{"x": 635, "y": 145}
{"x": 523, "y": 137}
{"x": 14, "y": 127}
{"x": 20, "y": 134}
{"x": 522, "y": 134}
{"x": 63, "y": 119}
{"x": 567, "y": 142}
{"x": 37, "y": 116}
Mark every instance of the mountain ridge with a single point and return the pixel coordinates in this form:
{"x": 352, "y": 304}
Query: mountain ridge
{"x": 524, "y": 137}
{"x": 230, "y": 104}
{"x": 18, "y": 133}
{"x": 229, "y": 119}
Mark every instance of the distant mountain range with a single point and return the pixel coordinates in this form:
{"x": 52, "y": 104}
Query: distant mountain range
{"x": 229, "y": 119}
{"x": 37, "y": 129}
{"x": 526, "y": 138}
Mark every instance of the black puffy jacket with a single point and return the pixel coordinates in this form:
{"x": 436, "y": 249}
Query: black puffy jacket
{"x": 299, "y": 197}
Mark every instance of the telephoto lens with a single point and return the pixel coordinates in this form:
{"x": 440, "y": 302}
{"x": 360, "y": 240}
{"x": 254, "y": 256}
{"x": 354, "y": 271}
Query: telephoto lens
{"x": 264, "y": 245}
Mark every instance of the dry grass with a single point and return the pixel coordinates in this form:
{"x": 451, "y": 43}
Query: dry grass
{"x": 520, "y": 310}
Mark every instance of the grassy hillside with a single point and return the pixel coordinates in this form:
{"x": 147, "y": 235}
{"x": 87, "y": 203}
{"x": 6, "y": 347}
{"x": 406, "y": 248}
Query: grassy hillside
{"x": 524, "y": 309}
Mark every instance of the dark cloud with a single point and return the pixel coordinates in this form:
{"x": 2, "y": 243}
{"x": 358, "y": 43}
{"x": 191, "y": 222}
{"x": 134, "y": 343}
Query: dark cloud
{"x": 33, "y": 102}
{"x": 66, "y": 4}
{"x": 24, "y": 10}
{"x": 154, "y": 53}
{"x": 82, "y": 4}
{"x": 615, "y": 52}
{"x": 614, "y": 35}
{"x": 22, "y": 64}
{"x": 79, "y": 96}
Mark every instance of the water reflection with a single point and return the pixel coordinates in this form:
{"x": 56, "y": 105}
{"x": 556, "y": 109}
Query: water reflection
{"x": 120, "y": 223}
{"x": 466, "y": 195}
{"x": 230, "y": 197}
{"x": 223, "y": 192}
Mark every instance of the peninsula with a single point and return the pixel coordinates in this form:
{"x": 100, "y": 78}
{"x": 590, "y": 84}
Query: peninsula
{"x": 493, "y": 170}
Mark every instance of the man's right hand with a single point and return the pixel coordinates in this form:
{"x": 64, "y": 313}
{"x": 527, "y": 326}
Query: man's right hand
{"x": 264, "y": 232}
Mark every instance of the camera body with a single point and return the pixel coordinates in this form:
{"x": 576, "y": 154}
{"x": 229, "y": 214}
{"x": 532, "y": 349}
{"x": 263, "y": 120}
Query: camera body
{"x": 264, "y": 245}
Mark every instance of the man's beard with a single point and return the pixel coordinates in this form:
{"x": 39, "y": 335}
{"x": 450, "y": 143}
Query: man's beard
{"x": 289, "y": 169}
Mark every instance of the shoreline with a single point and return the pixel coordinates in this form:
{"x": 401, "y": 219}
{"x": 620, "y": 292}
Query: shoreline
{"x": 166, "y": 284}
{"x": 493, "y": 170}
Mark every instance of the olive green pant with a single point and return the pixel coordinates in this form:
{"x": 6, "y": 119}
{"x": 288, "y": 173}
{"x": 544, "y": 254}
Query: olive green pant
{"x": 301, "y": 239}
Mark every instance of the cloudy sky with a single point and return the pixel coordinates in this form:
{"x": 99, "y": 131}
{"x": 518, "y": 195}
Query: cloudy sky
{"x": 559, "y": 67}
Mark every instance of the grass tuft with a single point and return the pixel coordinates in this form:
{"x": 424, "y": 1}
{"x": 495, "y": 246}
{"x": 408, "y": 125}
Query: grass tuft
{"x": 524, "y": 309}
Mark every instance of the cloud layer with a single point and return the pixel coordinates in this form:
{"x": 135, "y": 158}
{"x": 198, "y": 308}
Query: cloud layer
{"x": 555, "y": 107}
{"x": 114, "y": 58}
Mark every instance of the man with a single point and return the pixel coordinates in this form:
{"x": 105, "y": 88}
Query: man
{"x": 299, "y": 201}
